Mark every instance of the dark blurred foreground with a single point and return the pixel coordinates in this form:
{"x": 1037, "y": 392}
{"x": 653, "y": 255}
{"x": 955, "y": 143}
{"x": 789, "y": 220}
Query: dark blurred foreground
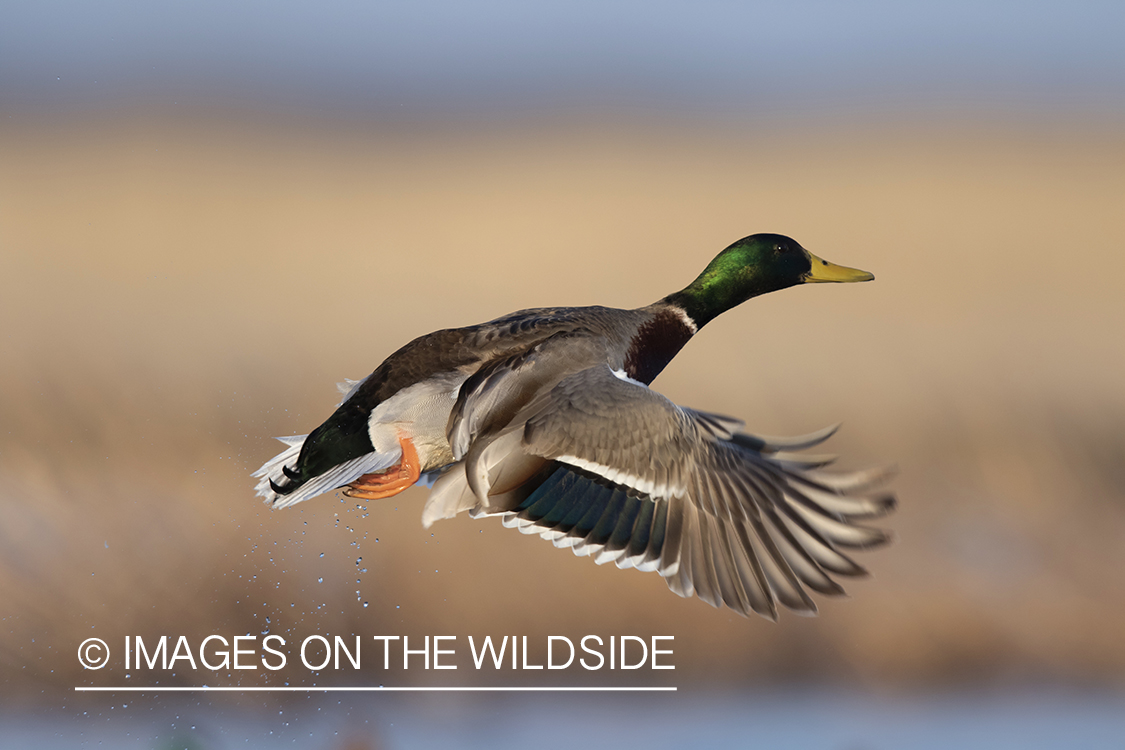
{"x": 780, "y": 720}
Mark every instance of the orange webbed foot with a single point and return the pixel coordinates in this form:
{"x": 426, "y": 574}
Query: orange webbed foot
{"x": 393, "y": 480}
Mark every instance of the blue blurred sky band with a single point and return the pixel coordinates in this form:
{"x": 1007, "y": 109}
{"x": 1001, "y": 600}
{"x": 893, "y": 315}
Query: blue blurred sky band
{"x": 417, "y": 58}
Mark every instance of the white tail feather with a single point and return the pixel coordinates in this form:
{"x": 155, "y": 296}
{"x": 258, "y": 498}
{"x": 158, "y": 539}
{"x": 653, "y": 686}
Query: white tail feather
{"x": 348, "y": 387}
{"x": 337, "y": 476}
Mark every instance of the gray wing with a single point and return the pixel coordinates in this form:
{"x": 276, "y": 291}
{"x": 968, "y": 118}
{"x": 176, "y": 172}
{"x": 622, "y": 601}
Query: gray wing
{"x": 639, "y": 481}
{"x": 485, "y": 429}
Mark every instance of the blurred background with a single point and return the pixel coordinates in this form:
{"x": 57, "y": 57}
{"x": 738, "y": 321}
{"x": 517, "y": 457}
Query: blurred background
{"x": 211, "y": 213}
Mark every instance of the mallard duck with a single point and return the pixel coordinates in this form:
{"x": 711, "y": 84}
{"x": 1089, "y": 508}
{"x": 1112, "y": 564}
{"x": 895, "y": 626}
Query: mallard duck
{"x": 545, "y": 418}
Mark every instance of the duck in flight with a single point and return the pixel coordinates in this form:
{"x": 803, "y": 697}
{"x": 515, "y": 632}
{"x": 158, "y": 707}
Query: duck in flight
{"x": 545, "y": 418}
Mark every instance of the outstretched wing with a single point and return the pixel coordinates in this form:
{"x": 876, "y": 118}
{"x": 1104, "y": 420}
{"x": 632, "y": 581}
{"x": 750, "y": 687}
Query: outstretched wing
{"x": 629, "y": 477}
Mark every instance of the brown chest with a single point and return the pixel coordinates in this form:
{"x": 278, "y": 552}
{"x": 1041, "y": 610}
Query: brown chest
{"x": 655, "y": 344}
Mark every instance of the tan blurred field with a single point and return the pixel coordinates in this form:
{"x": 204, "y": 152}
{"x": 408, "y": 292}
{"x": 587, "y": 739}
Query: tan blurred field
{"x": 176, "y": 293}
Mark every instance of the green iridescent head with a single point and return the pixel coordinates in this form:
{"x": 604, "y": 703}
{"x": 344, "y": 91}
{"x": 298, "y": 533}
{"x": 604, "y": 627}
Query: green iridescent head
{"x": 756, "y": 265}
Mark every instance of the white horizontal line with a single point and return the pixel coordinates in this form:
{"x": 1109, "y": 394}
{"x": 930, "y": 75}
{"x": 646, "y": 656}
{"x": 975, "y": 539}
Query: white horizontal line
{"x": 368, "y": 689}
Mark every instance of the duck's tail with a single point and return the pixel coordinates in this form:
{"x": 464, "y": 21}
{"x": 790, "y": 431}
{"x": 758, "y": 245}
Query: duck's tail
{"x": 277, "y": 485}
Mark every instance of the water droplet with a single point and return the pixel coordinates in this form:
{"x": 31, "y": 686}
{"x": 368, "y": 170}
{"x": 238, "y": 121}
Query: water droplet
{"x": 320, "y": 580}
{"x": 365, "y": 605}
{"x": 322, "y": 554}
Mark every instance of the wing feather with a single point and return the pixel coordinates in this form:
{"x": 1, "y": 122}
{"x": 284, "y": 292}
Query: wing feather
{"x": 737, "y": 520}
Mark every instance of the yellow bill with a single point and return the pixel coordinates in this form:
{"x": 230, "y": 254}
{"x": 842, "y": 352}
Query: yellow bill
{"x": 822, "y": 270}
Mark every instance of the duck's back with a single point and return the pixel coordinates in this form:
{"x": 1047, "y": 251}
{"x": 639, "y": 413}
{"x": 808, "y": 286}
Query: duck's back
{"x": 449, "y": 356}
